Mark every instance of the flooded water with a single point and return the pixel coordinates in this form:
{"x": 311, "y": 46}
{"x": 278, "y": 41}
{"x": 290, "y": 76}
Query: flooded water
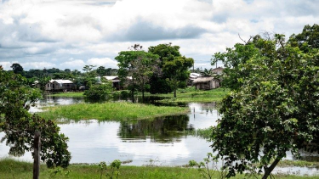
{"x": 157, "y": 142}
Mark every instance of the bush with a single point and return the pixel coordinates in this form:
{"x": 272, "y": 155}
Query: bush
{"x": 99, "y": 92}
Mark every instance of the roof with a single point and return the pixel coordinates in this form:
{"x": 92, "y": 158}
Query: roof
{"x": 61, "y": 81}
{"x": 194, "y": 75}
{"x": 203, "y": 80}
{"x": 110, "y": 77}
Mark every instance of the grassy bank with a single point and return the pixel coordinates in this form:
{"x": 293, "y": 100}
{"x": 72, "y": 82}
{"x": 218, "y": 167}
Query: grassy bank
{"x": 189, "y": 94}
{"x": 15, "y": 169}
{"x": 116, "y": 111}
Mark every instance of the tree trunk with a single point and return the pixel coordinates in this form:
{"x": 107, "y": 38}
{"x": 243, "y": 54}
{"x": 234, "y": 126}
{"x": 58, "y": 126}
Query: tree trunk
{"x": 268, "y": 170}
{"x": 36, "y": 157}
{"x": 132, "y": 94}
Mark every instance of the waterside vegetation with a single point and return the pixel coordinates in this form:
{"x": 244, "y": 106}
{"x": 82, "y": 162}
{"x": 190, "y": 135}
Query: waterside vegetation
{"x": 115, "y": 111}
{"x": 189, "y": 94}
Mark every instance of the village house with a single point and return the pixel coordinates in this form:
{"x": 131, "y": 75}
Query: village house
{"x": 206, "y": 83}
{"x": 116, "y": 81}
{"x": 60, "y": 85}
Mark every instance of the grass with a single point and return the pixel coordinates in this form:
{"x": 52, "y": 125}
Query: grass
{"x": 68, "y": 94}
{"x": 115, "y": 111}
{"x": 17, "y": 169}
{"x": 298, "y": 163}
{"x": 189, "y": 94}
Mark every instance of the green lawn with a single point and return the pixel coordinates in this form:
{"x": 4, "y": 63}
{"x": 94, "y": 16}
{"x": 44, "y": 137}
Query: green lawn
{"x": 115, "y": 111}
{"x": 16, "y": 169}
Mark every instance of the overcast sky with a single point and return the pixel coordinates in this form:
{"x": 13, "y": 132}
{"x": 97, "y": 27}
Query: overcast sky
{"x": 72, "y": 33}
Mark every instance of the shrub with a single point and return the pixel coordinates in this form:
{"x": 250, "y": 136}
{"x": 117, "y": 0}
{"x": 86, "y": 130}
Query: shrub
{"x": 99, "y": 92}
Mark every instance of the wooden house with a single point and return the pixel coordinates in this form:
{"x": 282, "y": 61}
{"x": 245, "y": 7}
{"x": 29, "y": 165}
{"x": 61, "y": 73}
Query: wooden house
{"x": 60, "y": 85}
{"x": 206, "y": 83}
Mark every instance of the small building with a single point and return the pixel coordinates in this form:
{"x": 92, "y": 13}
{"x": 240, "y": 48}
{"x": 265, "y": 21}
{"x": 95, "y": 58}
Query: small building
{"x": 117, "y": 81}
{"x": 206, "y": 83}
{"x": 60, "y": 85}
{"x": 192, "y": 77}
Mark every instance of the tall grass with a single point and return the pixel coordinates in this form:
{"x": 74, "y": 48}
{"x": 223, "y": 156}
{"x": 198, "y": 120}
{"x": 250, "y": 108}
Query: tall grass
{"x": 115, "y": 111}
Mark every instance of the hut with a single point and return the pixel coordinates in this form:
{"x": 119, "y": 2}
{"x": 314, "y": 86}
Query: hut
{"x": 117, "y": 81}
{"x": 206, "y": 83}
{"x": 60, "y": 85}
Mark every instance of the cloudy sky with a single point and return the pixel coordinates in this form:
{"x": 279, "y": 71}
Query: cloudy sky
{"x": 72, "y": 33}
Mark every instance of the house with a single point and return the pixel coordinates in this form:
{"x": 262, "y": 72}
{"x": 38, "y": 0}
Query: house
{"x": 117, "y": 81}
{"x": 60, "y": 85}
{"x": 218, "y": 70}
{"x": 206, "y": 83}
{"x": 192, "y": 77}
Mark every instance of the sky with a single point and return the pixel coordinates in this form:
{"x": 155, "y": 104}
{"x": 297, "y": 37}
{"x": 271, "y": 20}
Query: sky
{"x": 69, "y": 34}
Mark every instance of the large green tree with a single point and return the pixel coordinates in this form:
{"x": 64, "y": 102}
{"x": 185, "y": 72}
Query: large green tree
{"x": 19, "y": 125}
{"x": 17, "y": 68}
{"x": 170, "y": 59}
{"x": 176, "y": 70}
{"x": 139, "y": 65}
{"x": 271, "y": 110}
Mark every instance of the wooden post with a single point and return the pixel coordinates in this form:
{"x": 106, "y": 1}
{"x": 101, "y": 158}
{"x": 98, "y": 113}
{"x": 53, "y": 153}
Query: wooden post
{"x": 36, "y": 157}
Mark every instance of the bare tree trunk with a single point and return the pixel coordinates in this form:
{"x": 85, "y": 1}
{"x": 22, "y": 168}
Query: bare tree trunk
{"x": 268, "y": 170}
{"x": 37, "y": 149}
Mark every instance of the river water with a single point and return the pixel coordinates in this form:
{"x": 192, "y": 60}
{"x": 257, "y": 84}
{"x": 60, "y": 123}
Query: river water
{"x": 157, "y": 142}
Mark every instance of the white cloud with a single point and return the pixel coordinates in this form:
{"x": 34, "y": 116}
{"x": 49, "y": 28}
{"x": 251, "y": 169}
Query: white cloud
{"x": 6, "y": 65}
{"x": 106, "y": 62}
{"x": 43, "y": 30}
{"x": 72, "y": 64}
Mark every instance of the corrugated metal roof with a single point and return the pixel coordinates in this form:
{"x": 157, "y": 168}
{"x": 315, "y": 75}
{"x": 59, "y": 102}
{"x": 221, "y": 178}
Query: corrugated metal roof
{"x": 61, "y": 81}
{"x": 203, "y": 79}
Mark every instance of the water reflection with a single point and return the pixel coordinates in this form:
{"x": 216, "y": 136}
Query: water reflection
{"x": 164, "y": 130}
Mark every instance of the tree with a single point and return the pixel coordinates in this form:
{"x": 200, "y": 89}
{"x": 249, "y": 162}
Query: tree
{"x": 89, "y": 77}
{"x": 17, "y": 68}
{"x": 271, "y": 111}
{"x": 101, "y": 70}
{"x": 163, "y": 82}
{"x": 308, "y": 39}
{"x": 177, "y": 69}
{"x": 19, "y": 125}
{"x": 140, "y": 65}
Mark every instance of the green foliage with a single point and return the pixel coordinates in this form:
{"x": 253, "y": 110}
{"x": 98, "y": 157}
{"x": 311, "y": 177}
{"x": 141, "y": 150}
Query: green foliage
{"x": 17, "y": 68}
{"x": 273, "y": 108}
{"x": 140, "y": 65}
{"x": 19, "y": 125}
{"x": 110, "y": 111}
{"x": 306, "y": 40}
{"x": 99, "y": 92}
{"x": 174, "y": 69}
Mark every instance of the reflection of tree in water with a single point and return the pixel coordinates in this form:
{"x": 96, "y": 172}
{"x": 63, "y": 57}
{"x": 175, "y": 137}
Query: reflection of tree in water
{"x": 208, "y": 107}
{"x": 54, "y": 100}
{"x": 164, "y": 129}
